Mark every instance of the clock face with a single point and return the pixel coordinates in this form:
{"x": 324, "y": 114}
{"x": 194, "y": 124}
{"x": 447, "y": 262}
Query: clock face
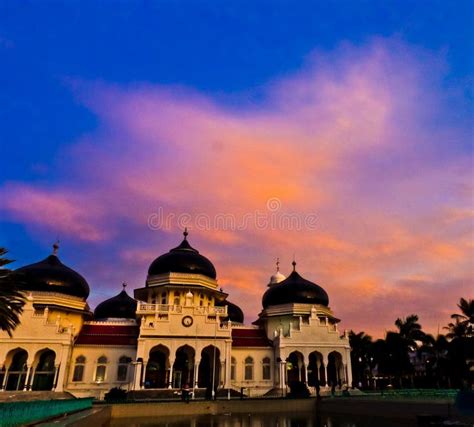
{"x": 187, "y": 321}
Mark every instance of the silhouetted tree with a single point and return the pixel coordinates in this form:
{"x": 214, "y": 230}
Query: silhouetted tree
{"x": 466, "y": 318}
{"x": 461, "y": 344}
{"x": 361, "y": 356}
{"x": 11, "y": 297}
{"x": 434, "y": 352}
{"x": 410, "y": 331}
{"x": 446, "y": 360}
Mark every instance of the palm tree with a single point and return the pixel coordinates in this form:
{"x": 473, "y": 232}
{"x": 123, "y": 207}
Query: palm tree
{"x": 466, "y": 318}
{"x": 434, "y": 351}
{"x": 457, "y": 330}
{"x": 410, "y": 331}
{"x": 404, "y": 342}
{"x": 12, "y": 298}
{"x": 461, "y": 345}
{"x": 361, "y": 349}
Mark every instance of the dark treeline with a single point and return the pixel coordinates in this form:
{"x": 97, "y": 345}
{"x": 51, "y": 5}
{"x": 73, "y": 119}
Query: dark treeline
{"x": 409, "y": 357}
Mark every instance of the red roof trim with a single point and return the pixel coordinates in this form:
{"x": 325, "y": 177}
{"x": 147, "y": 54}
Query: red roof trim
{"x": 250, "y": 338}
{"x": 108, "y": 335}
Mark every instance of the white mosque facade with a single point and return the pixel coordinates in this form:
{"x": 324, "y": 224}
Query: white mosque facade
{"x": 178, "y": 331}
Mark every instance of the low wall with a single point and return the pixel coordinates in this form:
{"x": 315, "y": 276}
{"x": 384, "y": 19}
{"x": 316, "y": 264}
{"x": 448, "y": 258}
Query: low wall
{"x": 95, "y": 417}
{"x": 160, "y": 409}
{"x": 18, "y": 413}
{"x": 392, "y": 408}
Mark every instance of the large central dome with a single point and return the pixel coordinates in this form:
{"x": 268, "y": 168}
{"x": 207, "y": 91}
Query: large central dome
{"x": 295, "y": 290}
{"x": 182, "y": 259}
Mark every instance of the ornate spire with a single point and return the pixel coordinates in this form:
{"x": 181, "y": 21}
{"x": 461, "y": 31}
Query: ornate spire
{"x": 56, "y": 248}
{"x": 294, "y": 263}
{"x": 278, "y": 264}
{"x": 124, "y": 285}
{"x": 185, "y": 233}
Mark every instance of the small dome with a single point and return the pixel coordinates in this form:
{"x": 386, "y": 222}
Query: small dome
{"x": 120, "y": 306}
{"x": 295, "y": 289}
{"x": 277, "y": 277}
{"x": 182, "y": 259}
{"x": 51, "y": 275}
{"x": 235, "y": 314}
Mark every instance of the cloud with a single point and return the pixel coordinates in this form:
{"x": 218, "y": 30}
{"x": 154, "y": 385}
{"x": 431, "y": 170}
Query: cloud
{"x": 357, "y": 138}
{"x": 69, "y": 213}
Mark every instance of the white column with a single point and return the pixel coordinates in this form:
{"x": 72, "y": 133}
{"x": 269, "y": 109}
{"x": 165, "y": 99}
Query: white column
{"x": 143, "y": 372}
{"x": 29, "y": 368}
{"x": 55, "y": 376}
{"x": 283, "y": 374}
{"x": 305, "y": 373}
{"x": 222, "y": 373}
{"x": 326, "y": 362}
{"x": 170, "y": 379}
{"x": 196, "y": 373}
{"x": 137, "y": 374}
{"x": 228, "y": 365}
{"x": 60, "y": 376}
{"x": 349, "y": 368}
{"x": 4, "y": 382}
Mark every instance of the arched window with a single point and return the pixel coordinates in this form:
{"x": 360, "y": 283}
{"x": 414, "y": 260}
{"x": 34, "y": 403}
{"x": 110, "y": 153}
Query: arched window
{"x": 266, "y": 371}
{"x": 78, "y": 374}
{"x": 122, "y": 368}
{"x": 164, "y": 299}
{"x": 101, "y": 369}
{"x": 233, "y": 367}
{"x": 17, "y": 371}
{"x": 177, "y": 299}
{"x": 248, "y": 368}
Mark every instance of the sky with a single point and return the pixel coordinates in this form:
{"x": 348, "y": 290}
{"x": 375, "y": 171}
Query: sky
{"x": 335, "y": 133}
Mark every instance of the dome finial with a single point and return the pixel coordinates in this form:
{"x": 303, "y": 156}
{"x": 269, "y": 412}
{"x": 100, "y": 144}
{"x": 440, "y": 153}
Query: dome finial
{"x": 294, "y": 263}
{"x": 124, "y": 285}
{"x": 56, "y": 247}
{"x": 278, "y": 264}
{"x": 185, "y": 233}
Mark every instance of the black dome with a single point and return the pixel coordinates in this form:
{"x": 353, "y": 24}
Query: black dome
{"x": 120, "y": 306}
{"x": 235, "y": 314}
{"x": 183, "y": 259}
{"x": 51, "y": 275}
{"x": 295, "y": 289}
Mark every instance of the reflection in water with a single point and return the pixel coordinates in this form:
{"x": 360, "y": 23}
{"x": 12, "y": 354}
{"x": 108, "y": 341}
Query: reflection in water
{"x": 302, "y": 419}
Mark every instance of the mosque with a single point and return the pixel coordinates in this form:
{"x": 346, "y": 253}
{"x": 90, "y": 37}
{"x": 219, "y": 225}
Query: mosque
{"x": 178, "y": 330}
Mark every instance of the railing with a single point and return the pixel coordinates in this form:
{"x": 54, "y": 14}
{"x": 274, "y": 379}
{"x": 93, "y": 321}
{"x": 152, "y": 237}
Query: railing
{"x": 145, "y": 308}
{"x": 210, "y": 310}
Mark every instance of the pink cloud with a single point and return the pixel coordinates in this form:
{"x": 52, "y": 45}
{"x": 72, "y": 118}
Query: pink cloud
{"x": 60, "y": 211}
{"x": 355, "y": 138}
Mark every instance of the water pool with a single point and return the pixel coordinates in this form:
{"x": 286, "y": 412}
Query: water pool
{"x": 303, "y": 419}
